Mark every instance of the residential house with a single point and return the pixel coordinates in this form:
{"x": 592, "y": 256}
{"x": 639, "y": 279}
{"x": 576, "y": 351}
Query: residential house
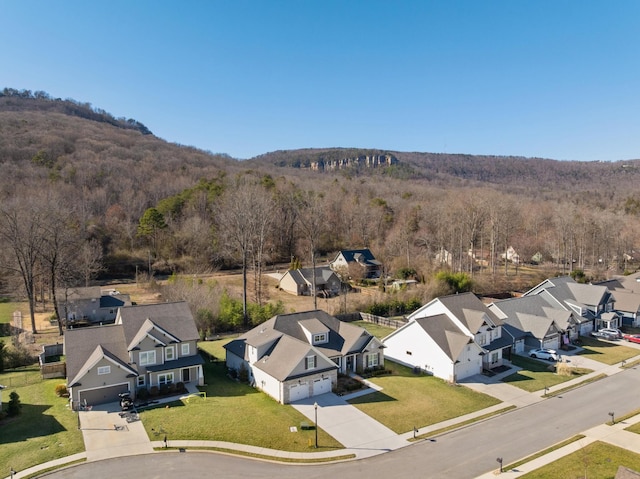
{"x": 299, "y": 355}
{"x": 586, "y": 301}
{"x": 511, "y": 255}
{"x": 626, "y": 291}
{"x": 541, "y": 325}
{"x": 147, "y": 346}
{"x": 90, "y": 304}
{"x": 300, "y": 282}
{"x": 360, "y": 260}
{"x": 452, "y": 337}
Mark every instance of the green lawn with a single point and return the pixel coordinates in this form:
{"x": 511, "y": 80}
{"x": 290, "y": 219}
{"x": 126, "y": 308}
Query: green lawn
{"x": 536, "y": 374}
{"x": 236, "y": 413}
{"x": 605, "y": 352}
{"x": 635, "y": 428}
{"x": 597, "y": 460}
{"x": 377, "y": 330}
{"x": 408, "y": 400}
{"x": 45, "y": 430}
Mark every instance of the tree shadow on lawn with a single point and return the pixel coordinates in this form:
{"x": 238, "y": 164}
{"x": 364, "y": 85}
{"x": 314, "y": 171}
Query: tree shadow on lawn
{"x": 30, "y": 423}
{"x": 219, "y": 384}
{"x": 376, "y": 397}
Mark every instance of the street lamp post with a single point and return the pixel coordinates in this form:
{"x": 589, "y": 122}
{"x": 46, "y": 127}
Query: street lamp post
{"x": 315, "y": 408}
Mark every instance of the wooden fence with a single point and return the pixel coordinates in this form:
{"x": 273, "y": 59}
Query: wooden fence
{"x": 371, "y": 318}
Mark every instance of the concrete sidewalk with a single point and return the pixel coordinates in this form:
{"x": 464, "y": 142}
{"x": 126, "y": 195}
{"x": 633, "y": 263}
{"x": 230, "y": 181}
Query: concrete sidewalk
{"x": 361, "y": 435}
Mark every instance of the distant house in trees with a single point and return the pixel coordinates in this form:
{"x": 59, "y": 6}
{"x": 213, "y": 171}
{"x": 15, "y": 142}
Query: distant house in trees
{"x": 511, "y": 255}
{"x": 90, "y": 305}
{"x": 300, "y": 281}
{"x": 361, "y": 260}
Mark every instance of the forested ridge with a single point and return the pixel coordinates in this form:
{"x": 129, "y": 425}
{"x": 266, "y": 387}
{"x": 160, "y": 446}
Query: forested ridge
{"x": 85, "y": 195}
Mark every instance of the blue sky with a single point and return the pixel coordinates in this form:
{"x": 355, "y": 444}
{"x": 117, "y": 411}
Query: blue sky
{"x": 554, "y": 79}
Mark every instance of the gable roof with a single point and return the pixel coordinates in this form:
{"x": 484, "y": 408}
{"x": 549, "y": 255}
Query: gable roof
{"x": 538, "y": 326}
{"x": 362, "y": 256}
{"x": 566, "y": 291}
{"x": 304, "y": 276}
{"x": 173, "y": 318}
{"x": 89, "y": 343}
{"x": 445, "y": 333}
{"x": 470, "y": 311}
{"x": 282, "y": 360}
{"x": 536, "y": 305}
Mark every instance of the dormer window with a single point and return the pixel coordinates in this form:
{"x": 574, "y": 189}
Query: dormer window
{"x": 319, "y": 338}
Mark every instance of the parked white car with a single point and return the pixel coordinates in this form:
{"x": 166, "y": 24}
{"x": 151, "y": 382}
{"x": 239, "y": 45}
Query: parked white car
{"x": 548, "y": 354}
{"x": 609, "y": 334}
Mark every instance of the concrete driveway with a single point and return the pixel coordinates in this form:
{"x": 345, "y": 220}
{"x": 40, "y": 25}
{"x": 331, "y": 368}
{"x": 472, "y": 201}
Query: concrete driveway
{"x": 350, "y": 426}
{"x": 108, "y": 435}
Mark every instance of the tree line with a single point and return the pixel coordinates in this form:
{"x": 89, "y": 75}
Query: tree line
{"x": 81, "y": 200}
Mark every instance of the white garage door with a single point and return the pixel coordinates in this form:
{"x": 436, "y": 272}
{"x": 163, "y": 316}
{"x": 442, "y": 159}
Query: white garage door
{"x": 298, "y": 391}
{"x": 464, "y": 369}
{"x": 321, "y": 386}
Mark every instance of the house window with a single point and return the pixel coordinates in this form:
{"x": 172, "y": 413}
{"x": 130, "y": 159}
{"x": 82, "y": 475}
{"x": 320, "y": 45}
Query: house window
{"x": 494, "y": 357}
{"x": 147, "y": 357}
{"x": 184, "y": 347}
{"x": 104, "y": 370}
{"x": 141, "y": 381}
{"x": 482, "y": 339}
{"x": 319, "y": 338}
{"x": 310, "y": 362}
{"x": 169, "y": 353}
{"x": 166, "y": 378}
{"x": 372, "y": 360}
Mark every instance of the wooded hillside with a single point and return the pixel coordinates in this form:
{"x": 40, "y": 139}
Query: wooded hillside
{"x": 84, "y": 194}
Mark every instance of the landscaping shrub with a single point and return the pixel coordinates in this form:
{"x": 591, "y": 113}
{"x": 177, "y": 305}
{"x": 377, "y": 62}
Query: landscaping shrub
{"x": 164, "y": 390}
{"x": 142, "y": 394}
{"x": 61, "y": 390}
{"x": 154, "y": 391}
{"x": 180, "y": 387}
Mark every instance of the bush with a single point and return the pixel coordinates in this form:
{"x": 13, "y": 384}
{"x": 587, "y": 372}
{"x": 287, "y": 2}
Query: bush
{"x": 14, "y": 406}
{"x": 154, "y": 391}
{"x": 142, "y": 394}
{"x": 180, "y": 387}
{"x": 164, "y": 389}
{"x": 61, "y": 390}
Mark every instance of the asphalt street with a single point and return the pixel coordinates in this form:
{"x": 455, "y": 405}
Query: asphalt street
{"x": 461, "y": 454}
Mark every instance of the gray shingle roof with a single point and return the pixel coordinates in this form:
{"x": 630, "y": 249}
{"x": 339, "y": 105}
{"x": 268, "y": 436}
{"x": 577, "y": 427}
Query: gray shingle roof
{"x": 445, "y": 333}
{"x": 175, "y": 318}
{"x": 471, "y": 312}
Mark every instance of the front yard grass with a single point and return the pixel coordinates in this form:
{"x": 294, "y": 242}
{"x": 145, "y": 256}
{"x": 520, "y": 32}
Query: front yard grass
{"x": 409, "y": 400}
{"x": 605, "y": 352}
{"x": 45, "y": 430}
{"x": 536, "y": 374}
{"x": 233, "y": 412}
{"x": 377, "y": 330}
{"x": 596, "y": 460}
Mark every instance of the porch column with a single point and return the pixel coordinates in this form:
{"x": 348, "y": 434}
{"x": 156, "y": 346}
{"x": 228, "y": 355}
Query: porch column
{"x": 200, "y": 375}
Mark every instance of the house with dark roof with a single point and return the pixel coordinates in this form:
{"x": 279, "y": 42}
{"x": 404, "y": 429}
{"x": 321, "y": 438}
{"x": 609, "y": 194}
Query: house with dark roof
{"x": 626, "y": 290}
{"x": 148, "y": 345}
{"x": 90, "y": 305}
{"x": 452, "y": 337}
{"x": 540, "y": 324}
{"x": 300, "y": 282}
{"x": 361, "y": 261}
{"x": 587, "y": 302}
{"x": 299, "y": 355}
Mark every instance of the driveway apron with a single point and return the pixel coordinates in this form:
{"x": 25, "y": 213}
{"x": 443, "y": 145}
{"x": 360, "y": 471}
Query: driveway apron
{"x": 108, "y": 435}
{"x": 348, "y": 425}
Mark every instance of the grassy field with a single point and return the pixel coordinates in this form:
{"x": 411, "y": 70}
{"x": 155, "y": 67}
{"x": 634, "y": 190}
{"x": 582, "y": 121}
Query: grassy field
{"x": 45, "y": 430}
{"x": 535, "y": 374}
{"x": 377, "y": 330}
{"x": 408, "y": 400}
{"x": 233, "y": 412}
{"x": 606, "y": 352}
{"x": 597, "y": 460}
